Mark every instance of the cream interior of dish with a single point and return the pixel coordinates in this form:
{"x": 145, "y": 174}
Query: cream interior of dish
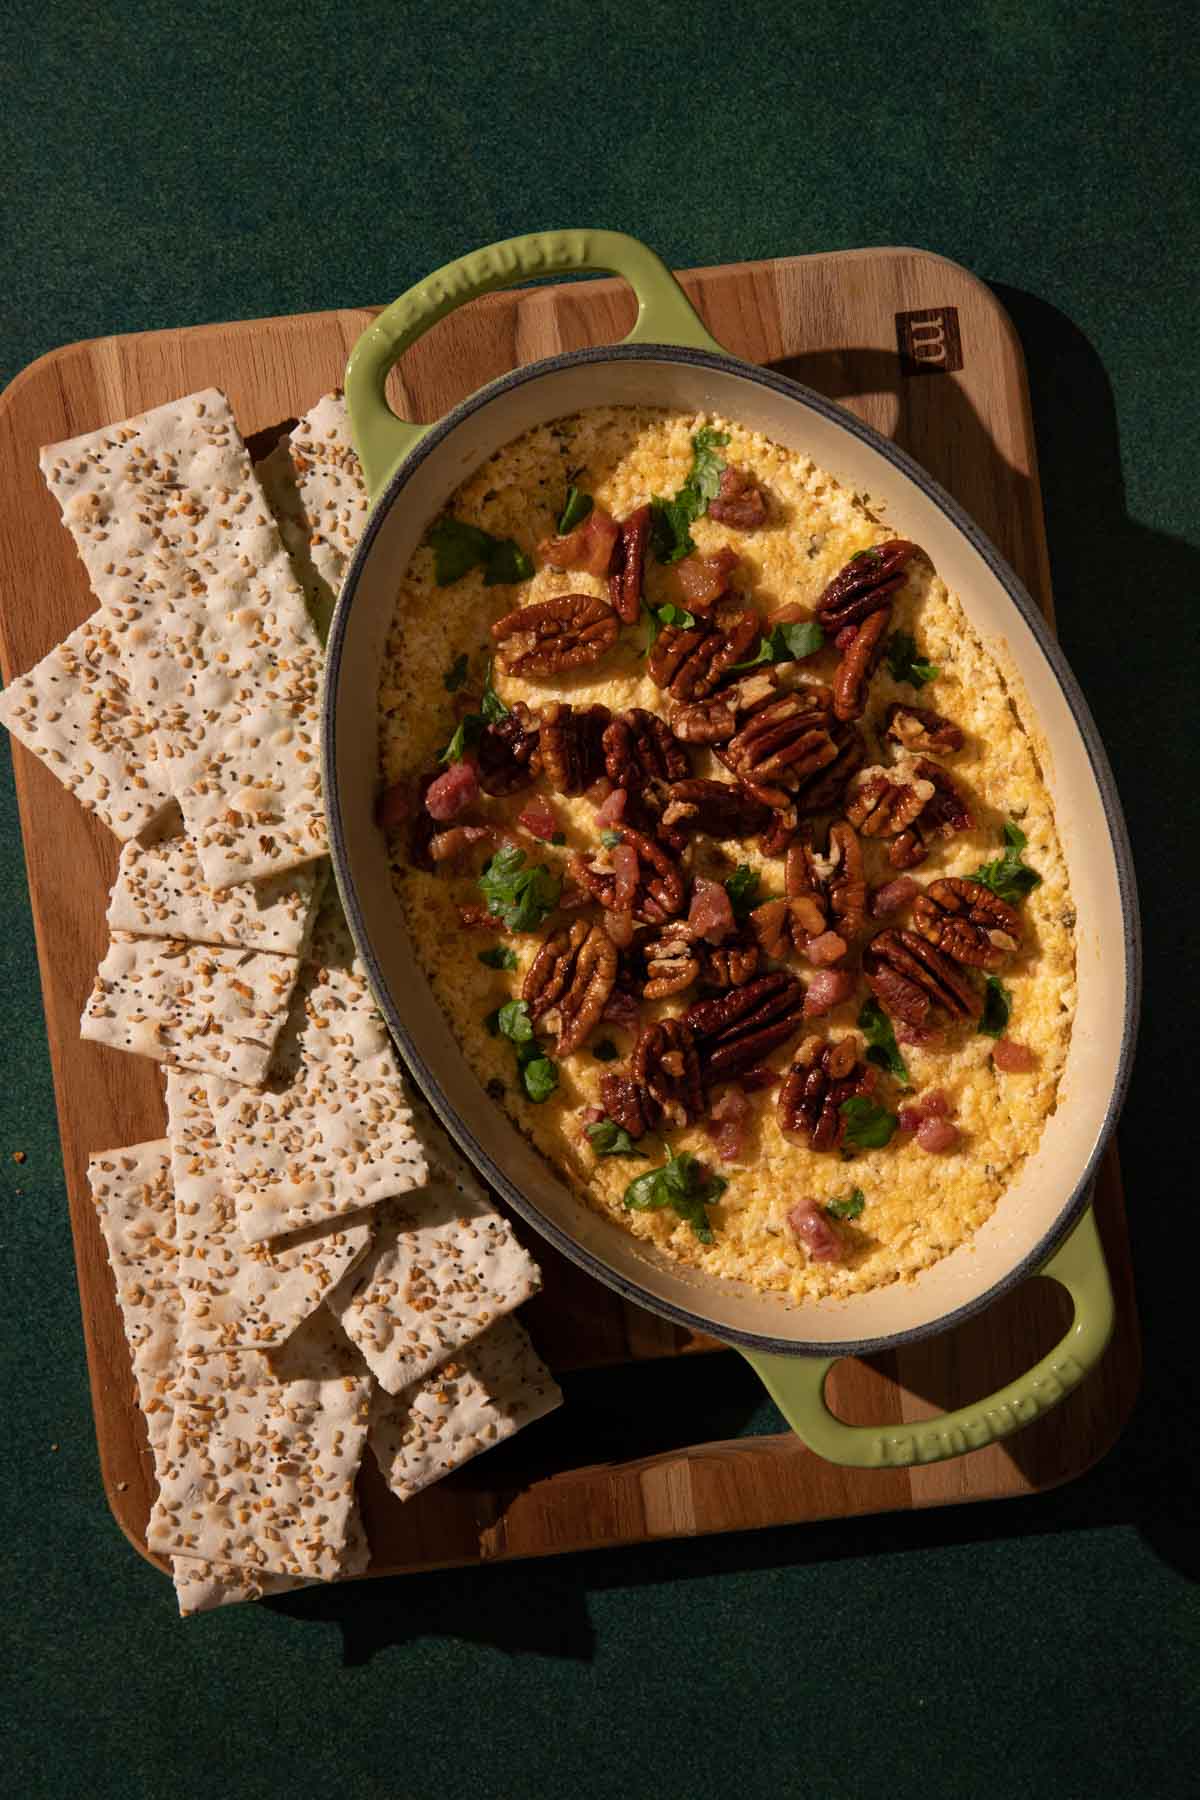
{"x": 918, "y": 1206}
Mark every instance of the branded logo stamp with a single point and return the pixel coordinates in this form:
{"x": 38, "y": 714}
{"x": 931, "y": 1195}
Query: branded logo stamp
{"x": 928, "y": 341}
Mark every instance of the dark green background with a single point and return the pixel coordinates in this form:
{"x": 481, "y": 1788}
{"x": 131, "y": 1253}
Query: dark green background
{"x": 166, "y": 165}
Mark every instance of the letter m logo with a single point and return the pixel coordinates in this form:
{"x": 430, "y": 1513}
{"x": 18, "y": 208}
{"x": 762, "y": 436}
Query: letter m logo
{"x": 929, "y": 341}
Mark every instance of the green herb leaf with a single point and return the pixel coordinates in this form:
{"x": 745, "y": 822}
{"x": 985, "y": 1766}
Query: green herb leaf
{"x": 882, "y": 1048}
{"x": 789, "y": 642}
{"x": 850, "y": 1208}
{"x": 707, "y": 467}
{"x": 576, "y": 508}
{"x": 607, "y": 1138}
{"x": 680, "y": 1184}
{"x": 997, "y": 1009}
{"x": 670, "y": 527}
{"x": 868, "y": 1127}
{"x": 458, "y": 547}
{"x": 521, "y": 896}
{"x": 610, "y": 839}
{"x": 539, "y": 1077}
{"x": 506, "y": 563}
{"x": 491, "y": 706}
{"x": 605, "y": 1051}
{"x": 900, "y": 652}
{"x": 1009, "y": 876}
{"x": 499, "y": 958}
{"x": 465, "y": 737}
{"x": 742, "y": 888}
{"x": 514, "y": 1021}
{"x": 456, "y": 674}
{"x": 675, "y": 615}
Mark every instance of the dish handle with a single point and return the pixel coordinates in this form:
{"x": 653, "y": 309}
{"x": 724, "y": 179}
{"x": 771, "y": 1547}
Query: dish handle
{"x": 797, "y": 1383}
{"x": 665, "y": 316}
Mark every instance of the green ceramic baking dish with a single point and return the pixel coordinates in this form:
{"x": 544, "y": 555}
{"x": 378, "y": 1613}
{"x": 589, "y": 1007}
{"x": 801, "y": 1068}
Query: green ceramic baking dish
{"x": 1043, "y": 1222}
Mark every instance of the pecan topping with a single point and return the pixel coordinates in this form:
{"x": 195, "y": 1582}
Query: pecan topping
{"x": 827, "y": 789}
{"x": 968, "y": 922}
{"x": 741, "y": 1027}
{"x": 730, "y": 964}
{"x": 715, "y": 721}
{"x": 628, "y": 562}
{"x": 782, "y": 745}
{"x": 821, "y": 1077}
{"x": 670, "y": 960}
{"x": 865, "y": 585}
{"x": 572, "y": 745}
{"x": 944, "y": 813}
{"x": 573, "y": 973}
{"x": 663, "y": 1083}
{"x": 882, "y": 803}
{"x": 661, "y": 890}
{"x": 920, "y": 728}
{"x": 909, "y": 977}
{"x": 508, "y": 753}
{"x": 689, "y": 661}
{"x": 740, "y": 502}
{"x": 828, "y": 892}
{"x": 720, "y": 809}
{"x": 640, "y": 748}
{"x": 551, "y": 636}
{"x": 853, "y": 673}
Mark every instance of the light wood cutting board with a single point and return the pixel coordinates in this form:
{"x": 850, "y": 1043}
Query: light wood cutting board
{"x": 909, "y": 342}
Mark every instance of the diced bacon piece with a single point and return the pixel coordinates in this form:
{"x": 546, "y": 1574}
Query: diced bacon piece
{"x": 588, "y": 548}
{"x": 699, "y": 581}
{"x": 478, "y": 918}
{"x": 909, "y": 1118}
{"x": 396, "y": 804}
{"x": 816, "y": 1232}
{"x": 611, "y": 811}
{"x": 539, "y": 818}
{"x": 1014, "y": 1059}
{"x": 592, "y": 1115}
{"x": 619, "y": 926}
{"x": 622, "y": 1010}
{"x": 626, "y": 871}
{"x": 728, "y": 1119}
{"x": 452, "y": 792}
{"x": 710, "y": 912}
{"x": 936, "y": 1105}
{"x": 937, "y": 1136}
{"x": 827, "y": 989}
{"x": 893, "y": 895}
{"x": 921, "y": 1037}
{"x": 599, "y": 791}
{"x": 825, "y": 949}
{"x": 740, "y": 501}
{"x": 453, "y": 846}
{"x": 753, "y": 1081}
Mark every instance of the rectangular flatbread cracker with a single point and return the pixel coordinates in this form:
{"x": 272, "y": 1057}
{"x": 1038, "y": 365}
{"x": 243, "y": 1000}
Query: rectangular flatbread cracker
{"x": 160, "y": 892}
{"x": 202, "y": 1586}
{"x": 262, "y": 1456}
{"x": 314, "y": 485}
{"x": 215, "y": 638}
{"x": 75, "y": 712}
{"x": 194, "y": 1006}
{"x": 332, "y": 1130}
{"x": 237, "y": 1294}
{"x": 485, "y": 1395}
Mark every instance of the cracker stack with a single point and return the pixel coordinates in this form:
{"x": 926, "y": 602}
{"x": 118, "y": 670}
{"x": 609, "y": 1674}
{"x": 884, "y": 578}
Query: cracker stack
{"x": 303, "y": 1264}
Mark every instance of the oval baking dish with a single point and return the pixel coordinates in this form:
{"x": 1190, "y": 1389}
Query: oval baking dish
{"x": 1043, "y": 1222}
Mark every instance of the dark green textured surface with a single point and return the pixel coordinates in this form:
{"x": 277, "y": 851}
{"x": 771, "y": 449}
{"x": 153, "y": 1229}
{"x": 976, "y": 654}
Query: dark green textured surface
{"x": 167, "y": 165}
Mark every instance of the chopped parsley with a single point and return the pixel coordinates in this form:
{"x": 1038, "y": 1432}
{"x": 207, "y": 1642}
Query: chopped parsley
{"x": 539, "y": 1076}
{"x": 787, "y": 643}
{"x": 456, "y": 674}
{"x": 882, "y": 1048}
{"x": 900, "y": 653}
{"x": 868, "y": 1127}
{"x": 682, "y": 1184}
{"x": 1009, "y": 876}
{"x": 492, "y": 706}
{"x": 742, "y": 888}
{"x": 576, "y": 508}
{"x": 675, "y": 615}
{"x": 499, "y": 958}
{"x": 997, "y": 1009}
{"x": 672, "y": 520}
{"x": 610, "y": 839}
{"x": 520, "y": 896}
{"x": 458, "y": 547}
{"x": 470, "y": 727}
{"x": 607, "y": 1138}
{"x": 605, "y": 1051}
{"x": 849, "y": 1208}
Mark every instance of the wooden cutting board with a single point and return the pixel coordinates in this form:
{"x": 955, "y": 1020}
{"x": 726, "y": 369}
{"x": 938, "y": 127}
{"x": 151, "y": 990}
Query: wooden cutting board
{"x": 921, "y": 350}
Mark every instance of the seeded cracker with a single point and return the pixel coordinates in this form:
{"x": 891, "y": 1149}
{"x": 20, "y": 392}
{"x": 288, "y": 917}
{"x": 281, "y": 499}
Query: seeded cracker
{"x": 75, "y": 712}
{"x": 176, "y": 536}
{"x": 217, "y": 1011}
{"x": 262, "y": 1456}
{"x": 234, "y": 1293}
{"x": 202, "y": 1586}
{"x": 485, "y": 1395}
{"x": 332, "y": 1130}
{"x": 160, "y": 892}
{"x": 313, "y": 481}
{"x": 445, "y": 1266}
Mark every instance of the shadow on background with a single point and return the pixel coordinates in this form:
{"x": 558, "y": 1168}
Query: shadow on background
{"x": 1126, "y": 599}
